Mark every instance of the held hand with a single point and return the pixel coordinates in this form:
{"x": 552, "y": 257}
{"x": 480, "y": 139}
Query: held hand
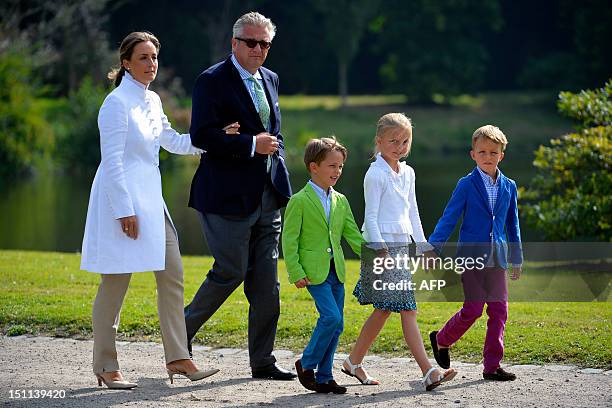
{"x": 232, "y": 129}
{"x": 382, "y": 253}
{"x": 516, "y": 272}
{"x": 430, "y": 255}
{"x": 302, "y": 283}
{"x": 265, "y": 143}
{"x": 129, "y": 226}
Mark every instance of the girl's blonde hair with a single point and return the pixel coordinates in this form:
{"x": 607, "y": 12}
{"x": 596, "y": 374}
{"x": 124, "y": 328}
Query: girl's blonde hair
{"x": 393, "y": 122}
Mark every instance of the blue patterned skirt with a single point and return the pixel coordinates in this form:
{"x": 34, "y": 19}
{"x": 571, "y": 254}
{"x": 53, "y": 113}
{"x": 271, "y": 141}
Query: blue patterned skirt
{"x": 406, "y": 300}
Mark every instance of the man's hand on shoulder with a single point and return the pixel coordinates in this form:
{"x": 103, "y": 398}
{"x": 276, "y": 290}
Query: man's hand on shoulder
{"x": 265, "y": 143}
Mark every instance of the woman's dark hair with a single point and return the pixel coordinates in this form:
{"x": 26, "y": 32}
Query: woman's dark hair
{"x": 127, "y": 49}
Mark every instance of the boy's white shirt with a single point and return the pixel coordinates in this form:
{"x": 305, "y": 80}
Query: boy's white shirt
{"x": 391, "y": 210}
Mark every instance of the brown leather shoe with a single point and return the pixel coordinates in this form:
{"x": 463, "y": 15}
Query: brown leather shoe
{"x": 330, "y": 386}
{"x": 306, "y": 377}
{"x": 499, "y": 375}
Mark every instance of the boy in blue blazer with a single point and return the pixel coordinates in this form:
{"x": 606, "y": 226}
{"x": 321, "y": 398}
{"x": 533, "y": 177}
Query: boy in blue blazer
{"x": 487, "y": 201}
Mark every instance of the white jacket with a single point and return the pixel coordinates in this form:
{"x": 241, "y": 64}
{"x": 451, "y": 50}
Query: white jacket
{"x": 391, "y": 211}
{"x": 132, "y": 127}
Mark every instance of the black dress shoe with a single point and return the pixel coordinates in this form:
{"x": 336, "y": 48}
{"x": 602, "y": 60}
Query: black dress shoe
{"x": 441, "y": 355}
{"x": 272, "y": 372}
{"x": 330, "y": 386}
{"x": 499, "y": 375}
{"x": 306, "y": 377}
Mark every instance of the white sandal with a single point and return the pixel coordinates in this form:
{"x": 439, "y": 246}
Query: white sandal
{"x": 353, "y": 368}
{"x": 430, "y": 384}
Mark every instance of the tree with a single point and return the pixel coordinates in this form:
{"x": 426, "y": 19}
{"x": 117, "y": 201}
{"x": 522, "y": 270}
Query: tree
{"x": 434, "y": 47}
{"x": 571, "y": 197}
{"x": 345, "y": 22}
{"x": 24, "y": 132}
{"x": 69, "y": 32}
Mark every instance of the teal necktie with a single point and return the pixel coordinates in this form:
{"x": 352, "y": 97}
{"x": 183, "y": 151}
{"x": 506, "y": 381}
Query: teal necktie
{"x": 264, "y": 111}
{"x": 262, "y": 103}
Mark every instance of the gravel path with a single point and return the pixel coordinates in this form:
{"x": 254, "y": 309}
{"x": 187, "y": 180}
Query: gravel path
{"x": 43, "y": 363}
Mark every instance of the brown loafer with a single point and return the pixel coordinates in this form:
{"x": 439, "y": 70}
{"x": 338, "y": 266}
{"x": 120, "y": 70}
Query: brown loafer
{"x": 306, "y": 377}
{"x": 330, "y": 386}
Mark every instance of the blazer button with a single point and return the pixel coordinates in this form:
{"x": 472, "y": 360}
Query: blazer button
{"x": 328, "y": 249}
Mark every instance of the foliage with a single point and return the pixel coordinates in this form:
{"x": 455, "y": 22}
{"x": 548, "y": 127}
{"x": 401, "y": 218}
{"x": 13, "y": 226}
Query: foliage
{"x": 557, "y": 70}
{"x": 24, "y": 132}
{"x": 78, "y": 146}
{"x": 590, "y": 108}
{"x": 70, "y": 33}
{"x": 423, "y": 61}
{"x": 571, "y": 197}
{"x": 344, "y": 23}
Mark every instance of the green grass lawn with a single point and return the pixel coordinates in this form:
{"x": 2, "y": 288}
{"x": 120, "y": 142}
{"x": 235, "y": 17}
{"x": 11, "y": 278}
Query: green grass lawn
{"x": 46, "y": 293}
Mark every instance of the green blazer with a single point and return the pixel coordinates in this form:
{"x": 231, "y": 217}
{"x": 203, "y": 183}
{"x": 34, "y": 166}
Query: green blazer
{"x": 308, "y": 239}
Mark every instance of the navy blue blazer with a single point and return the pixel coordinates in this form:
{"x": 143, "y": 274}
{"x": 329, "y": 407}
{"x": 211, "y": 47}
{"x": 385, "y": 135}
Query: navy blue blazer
{"x": 228, "y": 180}
{"x": 480, "y": 224}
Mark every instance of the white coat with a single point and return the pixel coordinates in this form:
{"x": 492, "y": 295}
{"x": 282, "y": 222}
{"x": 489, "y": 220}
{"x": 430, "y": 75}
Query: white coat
{"x": 132, "y": 127}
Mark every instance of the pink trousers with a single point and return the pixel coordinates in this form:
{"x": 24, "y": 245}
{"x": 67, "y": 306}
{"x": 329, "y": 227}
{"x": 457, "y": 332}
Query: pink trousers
{"x": 487, "y": 286}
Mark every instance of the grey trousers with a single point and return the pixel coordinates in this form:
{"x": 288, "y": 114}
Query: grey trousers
{"x": 107, "y": 310}
{"x": 245, "y": 250}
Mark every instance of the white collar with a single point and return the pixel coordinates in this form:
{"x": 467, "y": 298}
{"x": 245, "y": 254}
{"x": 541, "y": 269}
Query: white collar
{"x": 320, "y": 192}
{"x": 129, "y": 79}
{"x": 244, "y": 74}
{"x": 383, "y": 165}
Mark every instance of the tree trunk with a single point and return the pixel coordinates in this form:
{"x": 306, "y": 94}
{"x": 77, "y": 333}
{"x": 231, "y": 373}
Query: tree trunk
{"x": 343, "y": 83}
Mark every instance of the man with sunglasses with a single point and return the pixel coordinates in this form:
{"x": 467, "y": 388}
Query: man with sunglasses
{"x": 240, "y": 186}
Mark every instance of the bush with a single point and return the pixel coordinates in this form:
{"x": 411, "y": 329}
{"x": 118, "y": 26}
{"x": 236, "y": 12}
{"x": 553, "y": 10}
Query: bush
{"x": 78, "y": 140}
{"x": 571, "y": 196}
{"x": 24, "y": 132}
{"x": 16, "y": 330}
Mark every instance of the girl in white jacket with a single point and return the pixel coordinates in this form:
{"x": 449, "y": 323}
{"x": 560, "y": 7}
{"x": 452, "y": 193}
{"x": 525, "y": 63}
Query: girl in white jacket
{"x": 392, "y": 222}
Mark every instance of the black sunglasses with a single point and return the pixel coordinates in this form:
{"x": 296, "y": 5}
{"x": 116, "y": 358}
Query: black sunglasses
{"x": 251, "y": 43}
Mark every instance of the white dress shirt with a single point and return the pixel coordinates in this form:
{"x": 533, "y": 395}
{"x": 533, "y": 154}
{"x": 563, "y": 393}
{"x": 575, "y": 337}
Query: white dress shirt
{"x": 391, "y": 211}
{"x": 132, "y": 127}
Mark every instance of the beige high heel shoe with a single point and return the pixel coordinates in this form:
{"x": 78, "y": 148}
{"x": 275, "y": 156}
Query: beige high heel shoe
{"x": 198, "y": 375}
{"x": 115, "y": 385}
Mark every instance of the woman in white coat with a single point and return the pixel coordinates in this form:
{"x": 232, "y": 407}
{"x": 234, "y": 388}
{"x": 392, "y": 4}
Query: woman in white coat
{"x": 128, "y": 228}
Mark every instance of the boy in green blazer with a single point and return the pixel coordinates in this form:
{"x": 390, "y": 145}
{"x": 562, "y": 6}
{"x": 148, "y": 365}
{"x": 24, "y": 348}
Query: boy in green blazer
{"x": 316, "y": 218}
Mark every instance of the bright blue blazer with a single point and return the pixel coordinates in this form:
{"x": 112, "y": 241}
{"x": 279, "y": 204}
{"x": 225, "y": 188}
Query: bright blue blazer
{"x": 480, "y": 224}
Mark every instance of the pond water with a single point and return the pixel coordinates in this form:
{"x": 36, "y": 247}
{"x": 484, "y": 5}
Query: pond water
{"x": 47, "y": 211}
